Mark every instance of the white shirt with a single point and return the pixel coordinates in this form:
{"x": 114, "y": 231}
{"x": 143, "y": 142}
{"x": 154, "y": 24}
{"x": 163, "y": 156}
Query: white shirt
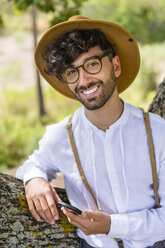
{"x": 117, "y": 166}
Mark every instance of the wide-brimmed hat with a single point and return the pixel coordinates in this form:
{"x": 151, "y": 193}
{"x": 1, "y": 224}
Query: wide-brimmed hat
{"x": 124, "y": 44}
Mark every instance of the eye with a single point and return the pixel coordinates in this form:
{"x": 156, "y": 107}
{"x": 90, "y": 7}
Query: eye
{"x": 70, "y": 72}
{"x": 92, "y": 66}
{"x": 93, "y": 63}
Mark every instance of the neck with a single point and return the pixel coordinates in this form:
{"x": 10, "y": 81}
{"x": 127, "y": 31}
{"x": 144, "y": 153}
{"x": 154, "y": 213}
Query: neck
{"x": 104, "y": 117}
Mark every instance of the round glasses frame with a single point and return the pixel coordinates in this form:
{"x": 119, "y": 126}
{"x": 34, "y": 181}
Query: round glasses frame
{"x": 99, "y": 58}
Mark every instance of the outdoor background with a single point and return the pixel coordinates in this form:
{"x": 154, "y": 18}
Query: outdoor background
{"x": 25, "y": 108}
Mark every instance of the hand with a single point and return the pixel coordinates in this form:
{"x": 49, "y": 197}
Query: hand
{"x": 42, "y": 199}
{"x": 90, "y": 222}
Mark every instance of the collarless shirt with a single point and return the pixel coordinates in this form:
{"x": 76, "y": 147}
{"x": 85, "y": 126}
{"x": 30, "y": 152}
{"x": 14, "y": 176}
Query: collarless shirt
{"x": 116, "y": 164}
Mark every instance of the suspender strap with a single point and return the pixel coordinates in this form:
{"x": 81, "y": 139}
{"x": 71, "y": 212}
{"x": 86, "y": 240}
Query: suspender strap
{"x": 74, "y": 149}
{"x": 152, "y": 157}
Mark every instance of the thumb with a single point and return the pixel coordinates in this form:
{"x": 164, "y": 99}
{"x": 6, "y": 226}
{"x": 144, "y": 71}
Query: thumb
{"x": 92, "y": 215}
{"x": 88, "y": 214}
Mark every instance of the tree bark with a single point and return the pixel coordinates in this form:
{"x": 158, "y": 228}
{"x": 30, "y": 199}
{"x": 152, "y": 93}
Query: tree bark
{"x": 18, "y": 229}
{"x": 158, "y": 104}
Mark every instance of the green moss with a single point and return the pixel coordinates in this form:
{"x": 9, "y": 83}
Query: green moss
{"x": 30, "y": 228}
{"x": 23, "y": 202}
{"x": 67, "y": 227}
{"x": 36, "y": 234}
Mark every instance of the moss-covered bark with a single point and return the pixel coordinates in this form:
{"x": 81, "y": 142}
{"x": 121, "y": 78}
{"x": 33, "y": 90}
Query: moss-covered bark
{"x": 18, "y": 229}
{"x": 158, "y": 104}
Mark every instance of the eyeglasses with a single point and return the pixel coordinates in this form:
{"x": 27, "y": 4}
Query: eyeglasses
{"x": 92, "y": 65}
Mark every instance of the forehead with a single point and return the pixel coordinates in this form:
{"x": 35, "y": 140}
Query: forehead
{"x": 94, "y": 51}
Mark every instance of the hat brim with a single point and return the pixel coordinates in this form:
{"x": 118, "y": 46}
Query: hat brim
{"x": 124, "y": 44}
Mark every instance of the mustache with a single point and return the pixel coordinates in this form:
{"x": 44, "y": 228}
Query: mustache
{"x": 91, "y": 84}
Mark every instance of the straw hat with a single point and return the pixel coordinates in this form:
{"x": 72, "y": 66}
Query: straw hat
{"x": 124, "y": 44}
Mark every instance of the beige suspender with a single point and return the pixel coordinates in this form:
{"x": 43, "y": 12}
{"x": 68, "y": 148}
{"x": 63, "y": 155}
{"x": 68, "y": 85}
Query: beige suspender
{"x": 152, "y": 159}
{"x": 74, "y": 149}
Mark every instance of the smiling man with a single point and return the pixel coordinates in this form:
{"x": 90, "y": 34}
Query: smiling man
{"x": 108, "y": 173}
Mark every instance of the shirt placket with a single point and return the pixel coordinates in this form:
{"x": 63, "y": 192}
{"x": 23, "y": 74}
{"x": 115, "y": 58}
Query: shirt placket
{"x": 115, "y": 173}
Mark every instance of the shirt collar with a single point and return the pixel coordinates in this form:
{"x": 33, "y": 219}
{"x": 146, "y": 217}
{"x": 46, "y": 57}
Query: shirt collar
{"x": 121, "y": 121}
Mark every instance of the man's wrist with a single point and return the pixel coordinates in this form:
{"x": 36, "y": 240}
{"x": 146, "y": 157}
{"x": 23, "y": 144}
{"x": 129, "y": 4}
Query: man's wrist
{"x": 28, "y": 181}
{"x": 108, "y": 224}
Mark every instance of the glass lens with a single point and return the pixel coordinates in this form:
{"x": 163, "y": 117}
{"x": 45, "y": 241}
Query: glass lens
{"x": 70, "y": 75}
{"x": 92, "y": 66}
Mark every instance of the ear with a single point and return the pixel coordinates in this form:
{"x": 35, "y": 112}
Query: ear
{"x": 117, "y": 67}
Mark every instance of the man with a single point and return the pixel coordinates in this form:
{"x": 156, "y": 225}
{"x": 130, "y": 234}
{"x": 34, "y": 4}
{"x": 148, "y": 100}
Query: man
{"x": 93, "y": 61}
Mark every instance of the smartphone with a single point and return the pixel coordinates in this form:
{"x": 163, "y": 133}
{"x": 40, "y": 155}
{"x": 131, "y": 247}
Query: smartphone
{"x": 66, "y": 205}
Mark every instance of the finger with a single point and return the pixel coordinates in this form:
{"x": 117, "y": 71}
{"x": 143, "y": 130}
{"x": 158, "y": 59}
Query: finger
{"x": 33, "y": 210}
{"x": 75, "y": 220}
{"x": 45, "y": 211}
{"x": 70, "y": 214}
{"x": 85, "y": 225}
{"x": 39, "y": 210}
{"x": 88, "y": 226}
{"x": 52, "y": 206}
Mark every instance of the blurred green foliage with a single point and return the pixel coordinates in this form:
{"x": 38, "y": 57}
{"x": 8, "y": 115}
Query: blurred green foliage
{"x": 1, "y": 23}
{"x": 144, "y": 19}
{"x": 18, "y": 140}
{"x": 20, "y": 126}
{"x": 60, "y": 10}
{"x": 47, "y": 5}
{"x": 151, "y": 73}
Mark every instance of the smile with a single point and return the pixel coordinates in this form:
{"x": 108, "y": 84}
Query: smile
{"x": 88, "y": 92}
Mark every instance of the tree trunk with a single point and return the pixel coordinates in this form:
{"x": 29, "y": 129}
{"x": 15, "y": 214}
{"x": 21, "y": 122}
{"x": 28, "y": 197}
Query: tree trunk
{"x": 39, "y": 89}
{"x": 18, "y": 229}
{"x": 158, "y": 104}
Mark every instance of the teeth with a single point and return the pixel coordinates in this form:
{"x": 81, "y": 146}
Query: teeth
{"x": 90, "y": 91}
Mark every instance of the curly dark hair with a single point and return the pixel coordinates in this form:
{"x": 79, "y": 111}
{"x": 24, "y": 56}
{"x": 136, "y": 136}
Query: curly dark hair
{"x": 68, "y": 47}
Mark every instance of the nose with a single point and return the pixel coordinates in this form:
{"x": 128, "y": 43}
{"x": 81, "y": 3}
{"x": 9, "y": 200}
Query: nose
{"x": 84, "y": 77}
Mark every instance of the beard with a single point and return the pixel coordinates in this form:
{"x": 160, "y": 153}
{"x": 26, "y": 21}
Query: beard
{"x": 107, "y": 90}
